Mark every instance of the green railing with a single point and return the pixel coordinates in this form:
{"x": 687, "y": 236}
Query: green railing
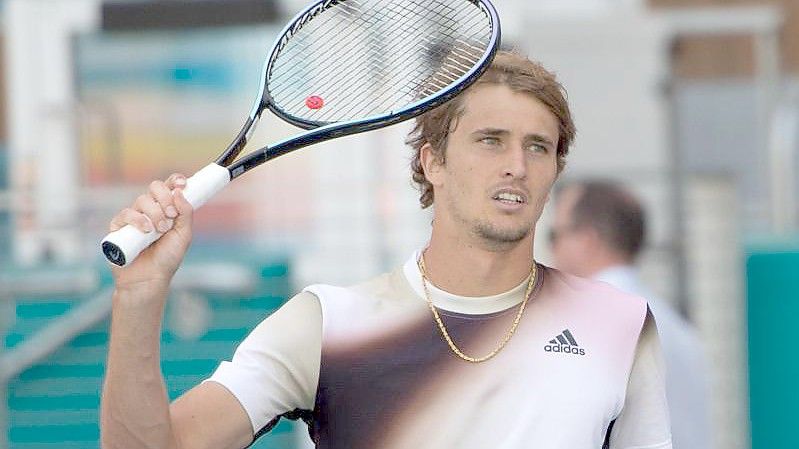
{"x": 56, "y": 402}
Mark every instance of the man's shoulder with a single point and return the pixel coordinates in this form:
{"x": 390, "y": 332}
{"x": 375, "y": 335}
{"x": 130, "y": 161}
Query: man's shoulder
{"x": 599, "y": 303}
{"x": 352, "y": 313}
{"x": 390, "y": 286}
{"x": 585, "y": 287}
{"x": 376, "y": 285}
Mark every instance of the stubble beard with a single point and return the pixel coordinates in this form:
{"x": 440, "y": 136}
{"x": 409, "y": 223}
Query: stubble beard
{"x": 493, "y": 237}
{"x": 499, "y": 237}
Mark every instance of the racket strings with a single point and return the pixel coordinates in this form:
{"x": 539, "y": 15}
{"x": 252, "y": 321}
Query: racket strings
{"x": 439, "y": 81}
{"x": 440, "y": 51}
{"x": 372, "y": 58}
{"x": 364, "y": 60}
{"x": 335, "y": 71}
{"x": 415, "y": 87}
{"x": 431, "y": 49}
{"x": 381, "y": 78}
{"x": 457, "y": 60}
{"x": 301, "y": 86}
{"x": 373, "y": 46}
{"x": 354, "y": 13}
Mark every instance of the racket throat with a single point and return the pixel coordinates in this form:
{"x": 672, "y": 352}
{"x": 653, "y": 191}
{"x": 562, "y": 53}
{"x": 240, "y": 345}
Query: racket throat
{"x": 238, "y": 144}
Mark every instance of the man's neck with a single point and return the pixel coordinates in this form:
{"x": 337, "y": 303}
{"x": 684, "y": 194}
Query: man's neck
{"x": 466, "y": 268}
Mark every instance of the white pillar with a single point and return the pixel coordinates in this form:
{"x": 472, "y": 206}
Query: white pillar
{"x": 715, "y": 262}
{"x": 43, "y": 139}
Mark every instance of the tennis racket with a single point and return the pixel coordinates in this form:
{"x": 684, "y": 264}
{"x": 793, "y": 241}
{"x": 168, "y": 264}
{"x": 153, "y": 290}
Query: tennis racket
{"x": 347, "y": 66}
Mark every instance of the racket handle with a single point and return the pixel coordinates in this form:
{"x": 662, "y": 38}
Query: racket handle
{"x": 122, "y": 246}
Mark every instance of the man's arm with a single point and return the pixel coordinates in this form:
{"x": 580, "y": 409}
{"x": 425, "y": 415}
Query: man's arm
{"x": 209, "y": 416}
{"x": 135, "y": 406}
{"x": 135, "y": 410}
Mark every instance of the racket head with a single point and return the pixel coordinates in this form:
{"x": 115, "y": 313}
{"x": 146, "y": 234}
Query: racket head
{"x": 366, "y": 64}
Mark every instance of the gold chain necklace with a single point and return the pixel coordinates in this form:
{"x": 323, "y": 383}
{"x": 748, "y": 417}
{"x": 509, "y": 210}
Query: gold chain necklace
{"x": 443, "y": 329}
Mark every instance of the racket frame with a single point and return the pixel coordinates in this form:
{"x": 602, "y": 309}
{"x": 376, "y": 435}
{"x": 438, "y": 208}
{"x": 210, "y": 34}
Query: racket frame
{"x": 321, "y": 131}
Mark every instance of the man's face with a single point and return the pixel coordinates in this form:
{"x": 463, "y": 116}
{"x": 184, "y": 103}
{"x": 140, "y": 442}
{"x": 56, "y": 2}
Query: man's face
{"x": 501, "y": 161}
{"x": 570, "y": 245}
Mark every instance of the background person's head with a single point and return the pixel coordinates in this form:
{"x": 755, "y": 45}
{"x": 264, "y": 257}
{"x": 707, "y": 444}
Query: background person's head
{"x": 509, "y": 69}
{"x": 598, "y": 224}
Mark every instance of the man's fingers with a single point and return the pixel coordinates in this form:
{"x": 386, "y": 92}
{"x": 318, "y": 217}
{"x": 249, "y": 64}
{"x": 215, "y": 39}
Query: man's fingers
{"x": 129, "y": 216}
{"x": 163, "y": 196}
{"x": 183, "y": 206}
{"x": 147, "y": 205}
{"x": 175, "y": 181}
{"x": 157, "y": 209}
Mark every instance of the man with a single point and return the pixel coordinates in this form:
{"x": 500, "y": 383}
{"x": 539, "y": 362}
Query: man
{"x": 598, "y": 232}
{"x": 470, "y": 344}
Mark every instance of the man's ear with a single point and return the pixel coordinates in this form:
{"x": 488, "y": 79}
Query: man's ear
{"x": 431, "y": 165}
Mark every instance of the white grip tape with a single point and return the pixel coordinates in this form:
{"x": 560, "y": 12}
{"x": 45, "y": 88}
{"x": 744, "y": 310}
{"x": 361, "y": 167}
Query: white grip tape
{"x": 122, "y": 246}
{"x": 205, "y": 183}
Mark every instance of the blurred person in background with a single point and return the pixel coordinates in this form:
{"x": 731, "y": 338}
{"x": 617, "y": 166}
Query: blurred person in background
{"x": 438, "y": 353}
{"x": 598, "y": 232}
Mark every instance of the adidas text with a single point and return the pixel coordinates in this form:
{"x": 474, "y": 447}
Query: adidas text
{"x": 564, "y": 348}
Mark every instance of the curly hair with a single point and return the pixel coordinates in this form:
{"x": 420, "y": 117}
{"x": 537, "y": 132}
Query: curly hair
{"x": 509, "y": 69}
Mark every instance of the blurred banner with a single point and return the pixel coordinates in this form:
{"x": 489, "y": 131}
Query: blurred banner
{"x": 175, "y": 106}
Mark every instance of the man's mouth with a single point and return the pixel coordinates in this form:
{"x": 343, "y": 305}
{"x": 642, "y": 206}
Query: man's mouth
{"x": 510, "y": 198}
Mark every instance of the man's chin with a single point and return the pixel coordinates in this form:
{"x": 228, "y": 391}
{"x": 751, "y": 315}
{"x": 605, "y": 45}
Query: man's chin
{"x": 504, "y": 235}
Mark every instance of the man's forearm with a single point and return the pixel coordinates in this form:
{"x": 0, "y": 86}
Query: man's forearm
{"x": 135, "y": 404}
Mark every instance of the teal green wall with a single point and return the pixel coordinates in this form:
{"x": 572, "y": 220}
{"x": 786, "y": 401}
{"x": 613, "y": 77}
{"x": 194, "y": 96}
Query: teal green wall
{"x": 773, "y": 315}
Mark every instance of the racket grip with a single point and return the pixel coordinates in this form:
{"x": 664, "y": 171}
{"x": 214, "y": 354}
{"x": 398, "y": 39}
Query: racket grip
{"x": 122, "y": 246}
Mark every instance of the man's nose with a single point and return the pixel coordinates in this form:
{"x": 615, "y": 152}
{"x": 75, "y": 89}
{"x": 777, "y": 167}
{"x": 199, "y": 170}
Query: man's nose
{"x": 516, "y": 162}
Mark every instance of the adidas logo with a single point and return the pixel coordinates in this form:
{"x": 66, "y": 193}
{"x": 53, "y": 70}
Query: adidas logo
{"x": 564, "y": 342}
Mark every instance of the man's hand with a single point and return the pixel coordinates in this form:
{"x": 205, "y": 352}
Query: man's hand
{"x": 165, "y": 209}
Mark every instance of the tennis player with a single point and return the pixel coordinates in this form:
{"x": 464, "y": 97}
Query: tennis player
{"x": 469, "y": 344}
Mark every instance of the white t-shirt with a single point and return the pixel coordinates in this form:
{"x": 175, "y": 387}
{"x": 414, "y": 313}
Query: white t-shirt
{"x": 367, "y": 367}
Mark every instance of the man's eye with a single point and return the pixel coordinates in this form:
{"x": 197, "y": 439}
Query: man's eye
{"x": 538, "y": 148}
{"x": 490, "y": 140}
